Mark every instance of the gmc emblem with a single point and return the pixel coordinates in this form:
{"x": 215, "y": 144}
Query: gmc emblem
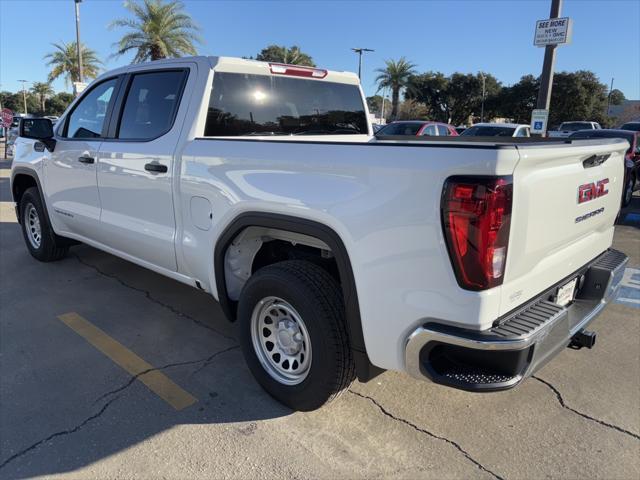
{"x": 590, "y": 191}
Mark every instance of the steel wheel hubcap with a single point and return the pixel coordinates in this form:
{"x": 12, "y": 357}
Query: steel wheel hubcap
{"x": 281, "y": 340}
{"x": 32, "y": 224}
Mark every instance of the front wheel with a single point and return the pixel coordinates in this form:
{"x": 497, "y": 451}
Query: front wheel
{"x": 293, "y": 334}
{"x": 628, "y": 192}
{"x": 42, "y": 242}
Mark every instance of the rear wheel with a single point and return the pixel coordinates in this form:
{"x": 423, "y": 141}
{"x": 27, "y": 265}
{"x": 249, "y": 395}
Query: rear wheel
{"x": 293, "y": 334}
{"x": 42, "y": 242}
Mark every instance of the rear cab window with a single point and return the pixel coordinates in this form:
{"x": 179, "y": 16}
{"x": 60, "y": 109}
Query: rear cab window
{"x": 252, "y": 105}
{"x": 401, "y": 128}
{"x": 575, "y": 126}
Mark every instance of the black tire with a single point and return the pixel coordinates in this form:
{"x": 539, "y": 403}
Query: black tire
{"x": 628, "y": 192}
{"x": 317, "y": 297}
{"x": 51, "y": 247}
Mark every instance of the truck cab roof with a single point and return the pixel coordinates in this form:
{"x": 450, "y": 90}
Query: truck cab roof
{"x": 241, "y": 65}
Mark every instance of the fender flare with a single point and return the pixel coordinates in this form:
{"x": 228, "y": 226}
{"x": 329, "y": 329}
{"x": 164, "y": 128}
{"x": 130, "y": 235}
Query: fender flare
{"x": 30, "y": 173}
{"x": 364, "y": 369}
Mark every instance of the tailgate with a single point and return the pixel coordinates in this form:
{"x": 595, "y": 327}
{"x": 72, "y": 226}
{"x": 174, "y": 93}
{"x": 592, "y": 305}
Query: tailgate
{"x": 553, "y": 233}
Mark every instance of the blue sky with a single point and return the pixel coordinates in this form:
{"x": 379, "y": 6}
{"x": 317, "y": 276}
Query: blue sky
{"x": 467, "y": 36}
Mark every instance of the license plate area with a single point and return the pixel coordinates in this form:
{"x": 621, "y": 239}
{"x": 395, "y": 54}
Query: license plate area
{"x": 564, "y": 294}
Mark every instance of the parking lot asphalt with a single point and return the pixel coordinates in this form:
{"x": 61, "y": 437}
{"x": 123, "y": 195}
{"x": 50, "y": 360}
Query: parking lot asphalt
{"x": 110, "y": 370}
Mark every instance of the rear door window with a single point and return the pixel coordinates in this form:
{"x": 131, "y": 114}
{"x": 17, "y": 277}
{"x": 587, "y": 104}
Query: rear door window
{"x": 243, "y": 104}
{"x": 443, "y": 131}
{"x": 430, "y": 130}
{"x": 151, "y": 104}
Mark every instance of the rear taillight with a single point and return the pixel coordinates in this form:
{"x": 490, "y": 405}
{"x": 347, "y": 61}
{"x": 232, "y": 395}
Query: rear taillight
{"x": 476, "y": 216}
{"x": 297, "y": 71}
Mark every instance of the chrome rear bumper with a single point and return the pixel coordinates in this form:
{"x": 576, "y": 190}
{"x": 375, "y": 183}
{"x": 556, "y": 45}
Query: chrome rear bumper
{"x": 519, "y": 343}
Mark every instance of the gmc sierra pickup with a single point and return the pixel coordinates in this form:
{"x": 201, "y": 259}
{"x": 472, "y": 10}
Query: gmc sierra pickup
{"x": 467, "y": 262}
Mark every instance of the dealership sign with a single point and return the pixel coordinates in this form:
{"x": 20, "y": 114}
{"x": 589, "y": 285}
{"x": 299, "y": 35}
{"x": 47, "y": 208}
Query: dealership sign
{"x": 554, "y": 31}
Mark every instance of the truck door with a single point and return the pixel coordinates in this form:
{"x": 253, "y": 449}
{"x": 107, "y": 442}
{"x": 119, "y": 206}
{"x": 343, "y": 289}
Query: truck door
{"x": 70, "y": 172}
{"x": 136, "y": 166}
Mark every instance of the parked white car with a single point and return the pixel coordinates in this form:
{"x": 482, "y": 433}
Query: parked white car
{"x": 462, "y": 261}
{"x": 567, "y": 128}
{"x": 497, "y": 130}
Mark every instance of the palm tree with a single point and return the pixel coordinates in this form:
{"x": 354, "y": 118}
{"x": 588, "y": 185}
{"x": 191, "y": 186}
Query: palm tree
{"x": 159, "y": 30}
{"x": 64, "y": 62}
{"x": 395, "y": 76}
{"x": 291, "y": 56}
{"x": 42, "y": 90}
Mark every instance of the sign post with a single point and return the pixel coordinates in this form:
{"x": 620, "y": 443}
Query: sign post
{"x": 549, "y": 34}
{"x": 6, "y": 118}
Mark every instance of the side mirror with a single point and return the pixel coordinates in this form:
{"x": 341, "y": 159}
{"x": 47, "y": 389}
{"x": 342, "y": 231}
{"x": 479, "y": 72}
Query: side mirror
{"x": 38, "y": 129}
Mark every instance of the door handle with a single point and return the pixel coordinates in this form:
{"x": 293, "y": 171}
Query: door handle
{"x": 84, "y": 159}
{"x": 155, "y": 167}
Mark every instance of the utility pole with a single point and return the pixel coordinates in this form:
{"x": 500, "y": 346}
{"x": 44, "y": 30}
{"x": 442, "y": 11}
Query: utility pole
{"x": 482, "y": 108}
{"x": 77, "y": 4}
{"x": 24, "y": 95}
{"x": 546, "y": 79}
{"x": 609, "y": 97}
{"x": 359, "y": 51}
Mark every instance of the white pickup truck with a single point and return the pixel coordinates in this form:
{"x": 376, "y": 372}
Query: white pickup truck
{"x": 467, "y": 262}
{"x": 567, "y": 128}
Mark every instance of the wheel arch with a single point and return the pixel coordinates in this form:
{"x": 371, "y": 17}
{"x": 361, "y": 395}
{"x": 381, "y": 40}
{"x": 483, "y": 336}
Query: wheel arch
{"x": 22, "y": 179}
{"x": 364, "y": 369}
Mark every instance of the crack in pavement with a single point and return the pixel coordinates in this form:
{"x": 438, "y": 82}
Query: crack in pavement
{"x": 59, "y": 434}
{"x": 583, "y": 415}
{"x": 205, "y": 361}
{"x": 427, "y": 432}
{"x": 150, "y": 297}
{"x": 70, "y": 431}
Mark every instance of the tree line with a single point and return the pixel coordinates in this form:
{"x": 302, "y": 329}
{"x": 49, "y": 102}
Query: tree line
{"x": 457, "y": 98}
{"x": 157, "y": 29}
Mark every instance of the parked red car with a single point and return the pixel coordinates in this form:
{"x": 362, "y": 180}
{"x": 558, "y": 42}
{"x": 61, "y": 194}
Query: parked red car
{"x": 418, "y": 128}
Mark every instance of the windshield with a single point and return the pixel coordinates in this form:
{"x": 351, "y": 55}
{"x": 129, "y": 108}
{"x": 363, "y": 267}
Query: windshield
{"x": 243, "y": 104}
{"x": 401, "y": 128}
{"x": 574, "y": 126}
{"x": 633, "y": 126}
{"x": 488, "y": 131}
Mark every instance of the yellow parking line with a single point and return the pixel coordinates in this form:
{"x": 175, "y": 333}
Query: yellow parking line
{"x": 5, "y": 172}
{"x": 155, "y": 380}
{"x": 7, "y": 213}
